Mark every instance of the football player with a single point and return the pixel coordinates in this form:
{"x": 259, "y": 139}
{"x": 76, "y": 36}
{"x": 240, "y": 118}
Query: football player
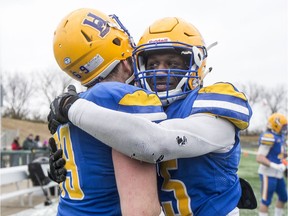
{"x": 197, "y": 150}
{"x": 271, "y": 169}
{"x": 96, "y": 50}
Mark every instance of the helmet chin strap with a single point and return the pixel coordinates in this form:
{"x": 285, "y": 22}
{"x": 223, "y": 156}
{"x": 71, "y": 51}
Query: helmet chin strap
{"x": 206, "y": 72}
{"x": 130, "y": 79}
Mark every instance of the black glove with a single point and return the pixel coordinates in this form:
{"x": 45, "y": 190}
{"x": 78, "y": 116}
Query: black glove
{"x": 57, "y": 170}
{"x": 247, "y": 199}
{"x": 59, "y": 108}
{"x": 52, "y": 124}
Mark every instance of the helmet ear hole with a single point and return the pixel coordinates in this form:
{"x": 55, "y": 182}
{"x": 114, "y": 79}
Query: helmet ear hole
{"x": 117, "y": 42}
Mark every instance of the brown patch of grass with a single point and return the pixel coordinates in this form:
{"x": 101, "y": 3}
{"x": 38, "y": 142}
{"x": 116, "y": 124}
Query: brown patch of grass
{"x": 252, "y": 138}
{"x": 25, "y": 128}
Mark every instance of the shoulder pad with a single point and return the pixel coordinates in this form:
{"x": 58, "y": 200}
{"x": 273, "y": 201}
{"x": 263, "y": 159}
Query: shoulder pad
{"x": 224, "y": 100}
{"x": 140, "y": 98}
{"x": 142, "y": 103}
{"x": 267, "y": 139}
{"x": 223, "y": 89}
{"x": 129, "y": 99}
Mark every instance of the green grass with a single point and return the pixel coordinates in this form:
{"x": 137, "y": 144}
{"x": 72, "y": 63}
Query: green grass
{"x": 248, "y": 170}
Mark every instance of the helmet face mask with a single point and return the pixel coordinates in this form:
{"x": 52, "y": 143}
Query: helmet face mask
{"x": 176, "y": 37}
{"x": 89, "y": 44}
{"x": 278, "y": 123}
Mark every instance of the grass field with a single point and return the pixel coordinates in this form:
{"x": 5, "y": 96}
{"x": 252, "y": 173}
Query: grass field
{"x": 248, "y": 170}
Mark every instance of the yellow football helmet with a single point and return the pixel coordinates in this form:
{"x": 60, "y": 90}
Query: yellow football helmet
{"x": 277, "y": 122}
{"x": 88, "y": 44}
{"x": 166, "y": 35}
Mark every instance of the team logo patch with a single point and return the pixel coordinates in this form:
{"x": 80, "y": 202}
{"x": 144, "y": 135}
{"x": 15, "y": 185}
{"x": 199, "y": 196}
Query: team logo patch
{"x": 181, "y": 140}
{"x": 97, "y": 23}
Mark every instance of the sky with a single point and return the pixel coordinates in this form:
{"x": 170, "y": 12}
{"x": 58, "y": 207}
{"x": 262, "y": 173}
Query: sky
{"x": 252, "y": 35}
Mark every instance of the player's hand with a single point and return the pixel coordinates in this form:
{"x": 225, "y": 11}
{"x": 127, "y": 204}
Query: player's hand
{"x": 57, "y": 170}
{"x": 52, "y": 123}
{"x": 285, "y": 161}
{"x": 59, "y": 108}
{"x": 281, "y": 167}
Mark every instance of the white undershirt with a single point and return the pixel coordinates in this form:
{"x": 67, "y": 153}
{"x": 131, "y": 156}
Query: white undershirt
{"x": 266, "y": 170}
{"x": 139, "y": 138}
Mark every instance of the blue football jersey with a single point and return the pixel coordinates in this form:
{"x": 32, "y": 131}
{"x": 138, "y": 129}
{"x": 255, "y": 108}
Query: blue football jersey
{"x": 90, "y": 186}
{"x": 276, "y": 143}
{"x": 207, "y": 184}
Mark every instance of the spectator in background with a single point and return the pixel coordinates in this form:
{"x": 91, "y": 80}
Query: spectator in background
{"x": 269, "y": 156}
{"x": 45, "y": 144}
{"x": 29, "y": 143}
{"x": 14, "y": 158}
{"x": 38, "y": 143}
{"x": 15, "y": 144}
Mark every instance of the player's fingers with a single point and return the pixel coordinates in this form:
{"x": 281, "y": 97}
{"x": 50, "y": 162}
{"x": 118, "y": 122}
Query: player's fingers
{"x": 60, "y": 163}
{"x": 58, "y": 154}
{"x": 72, "y": 89}
{"x": 49, "y": 116}
{"x": 52, "y": 145}
{"x": 62, "y": 178}
{"x": 61, "y": 171}
{"x": 53, "y": 125}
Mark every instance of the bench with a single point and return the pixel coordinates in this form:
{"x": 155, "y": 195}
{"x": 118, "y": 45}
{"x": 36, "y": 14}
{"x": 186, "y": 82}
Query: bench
{"x": 17, "y": 175}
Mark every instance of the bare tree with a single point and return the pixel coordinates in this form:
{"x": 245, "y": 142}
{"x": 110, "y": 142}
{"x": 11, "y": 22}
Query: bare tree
{"x": 51, "y": 84}
{"x": 18, "y": 92}
{"x": 276, "y": 99}
{"x": 253, "y": 91}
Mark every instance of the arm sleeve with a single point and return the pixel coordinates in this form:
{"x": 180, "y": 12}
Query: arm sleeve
{"x": 144, "y": 140}
{"x": 263, "y": 150}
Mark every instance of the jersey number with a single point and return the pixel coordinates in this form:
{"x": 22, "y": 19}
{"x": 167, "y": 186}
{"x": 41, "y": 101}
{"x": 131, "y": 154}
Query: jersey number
{"x": 71, "y": 185}
{"x": 177, "y": 187}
